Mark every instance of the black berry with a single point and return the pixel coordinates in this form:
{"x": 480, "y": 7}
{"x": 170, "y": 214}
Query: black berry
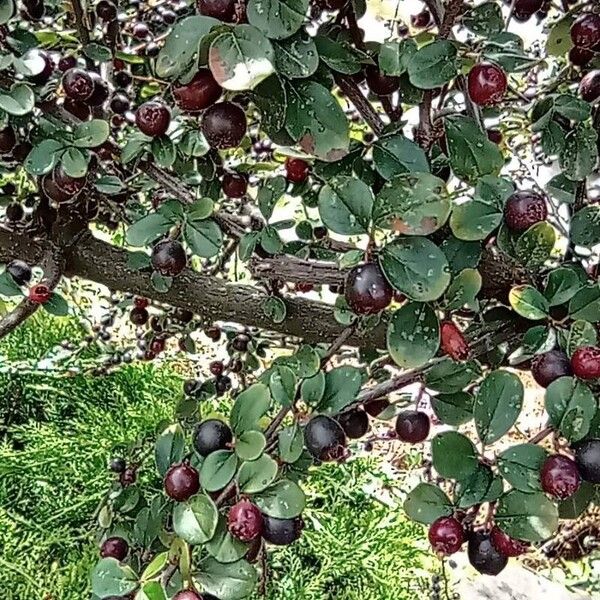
{"x": 282, "y": 532}
{"x": 324, "y": 438}
{"x": 168, "y": 258}
{"x": 212, "y": 435}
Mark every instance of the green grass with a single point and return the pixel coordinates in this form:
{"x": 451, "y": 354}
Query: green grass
{"x": 56, "y": 434}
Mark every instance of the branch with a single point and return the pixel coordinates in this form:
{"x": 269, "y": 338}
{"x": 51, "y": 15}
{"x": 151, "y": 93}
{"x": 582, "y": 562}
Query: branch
{"x": 82, "y": 30}
{"x": 363, "y": 106}
{"x": 297, "y": 270}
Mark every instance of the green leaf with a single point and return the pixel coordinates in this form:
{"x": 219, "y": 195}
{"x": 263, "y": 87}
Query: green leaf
{"x": 528, "y": 517}
{"x": 204, "y": 237}
{"x": 282, "y": 383}
{"x": 147, "y": 524}
{"x": 571, "y": 407}
{"x": 534, "y": 247}
{"x": 433, "y": 65}
{"x": 484, "y": 19}
{"x": 453, "y": 409}
{"x": 463, "y": 290}
{"x": 394, "y": 56}
{"x": 454, "y": 455}
{"x": 498, "y": 403}
{"x": 270, "y": 98}
{"x": 163, "y": 151}
{"x": 269, "y": 193}
{"x": 413, "y": 335}
{"x": 257, "y": 475}
{"x": 91, "y": 133}
{"x": 561, "y": 286}
{"x": 194, "y": 144}
{"x": 581, "y": 333}
{"x": 412, "y": 204}
{"x": 481, "y": 486}
{"x": 109, "y": 578}
{"x": 157, "y": 564}
{"x": 249, "y": 407}
{"x": 42, "y": 157}
{"x": 170, "y": 448}
{"x": 241, "y": 57}
{"x": 274, "y": 309}
{"x": 290, "y": 444}
{"x": 573, "y": 507}
{"x": 342, "y": 385}
{"x": 461, "y": 254}
{"x": 316, "y": 120}
{"x": 339, "y": 55}
{"x": 521, "y": 465}
{"x": 182, "y": 45}
{"x": 223, "y": 546}
{"x": 558, "y": 42}
{"x": 218, "y": 470}
{"x": 19, "y": 101}
{"x": 227, "y": 581}
{"x": 312, "y": 389}
{"x": 148, "y": 228}
{"x": 528, "y": 302}
{"x": 283, "y": 500}
{"x": 345, "y": 205}
{"x": 7, "y": 11}
{"x": 585, "y": 304}
{"x": 110, "y": 185}
{"x": 426, "y": 503}
{"x": 56, "y": 306}
{"x": 296, "y": 57}
{"x": 472, "y": 155}
{"x": 585, "y": 226}
{"x": 416, "y": 267}
{"x": 152, "y": 590}
{"x": 278, "y": 19}
{"x": 449, "y": 377}
{"x": 396, "y": 154}
{"x": 579, "y": 153}
{"x": 250, "y": 445}
{"x": 74, "y": 162}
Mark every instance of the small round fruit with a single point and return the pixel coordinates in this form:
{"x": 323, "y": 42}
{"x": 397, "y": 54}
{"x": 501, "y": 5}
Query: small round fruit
{"x": 560, "y": 477}
{"x": 484, "y": 556}
{"x": 117, "y": 464}
{"x": 549, "y": 366}
{"x": 78, "y": 84}
{"x": 40, "y": 65}
{"x": 580, "y": 57}
{"x": 114, "y": 547}
{"x": 20, "y": 271}
{"x": 120, "y": 103}
{"x": 585, "y": 31}
{"x": 324, "y": 438}
{"x": 240, "y": 342}
{"x": 224, "y": 10}
{"x": 101, "y": 91}
{"x": 188, "y": 595}
{"x": 168, "y": 258}
{"x": 234, "y": 185}
{"x": 244, "y": 521}
{"x": 77, "y": 109}
{"x": 39, "y": 294}
{"x": 528, "y": 6}
{"x": 139, "y": 316}
{"x": 507, "y": 545}
{"x": 380, "y": 83}
{"x": 586, "y": 362}
{"x": 181, "y": 482}
{"x": 212, "y": 435}
{"x": 282, "y": 532}
{"x": 66, "y": 63}
{"x": 224, "y": 125}
{"x": 296, "y": 170}
{"x": 446, "y": 535}
{"x": 487, "y": 84}
{"x": 367, "y": 291}
{"x": 153, "y": 118}
{"x": 453, "y": 342}
{"x": 200, "y": 93}
{"x": 589, "y": 86}
{"x": 14, "y": 212}
{"x": 122, "y": 79}
{"x": 494, "y": 135}
{"x": 587, "y": 459}
{"x": 355, "y": 423}
{"x": 106, "y": 10}
{"x": 412, "y": 426}
{"x": 524, "y": 209}
{"x": 8, "y": 139}
{"x": 216, "y": 367}
{"x": 376, "y": 407}
{"x": 128, "y": 477}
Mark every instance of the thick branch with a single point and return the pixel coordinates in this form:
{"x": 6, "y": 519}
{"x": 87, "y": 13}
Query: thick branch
{"x": 362, "y": 105}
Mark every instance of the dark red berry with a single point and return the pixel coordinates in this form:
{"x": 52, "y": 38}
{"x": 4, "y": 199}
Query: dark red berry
{"x": 216, "y": 367}
{"x": 41, "y": 66}
{"x": 282, "y": 532}
{"x": 157, "y": 345}
{"x": 304, "y": 287}
{"x": 524, "y": 209}
{"x": 580, "y": 56}
{"x": 296, "y": 170}
{"x": 452, "y": 341}
{"x": 560, "y": 477}
{"x": 140, "y": 31}
{"x": 223, "y": 10}
{"x": 101, "y": 92}
{"x": 234, "y": 185}
{"x": 212, "y": 435}
{"x": 367, "y": 291}
{"x": 106, "y": 10}
{"x": 586, "y": 362}
{"x": 153, "y": 118}
{"x": 507, "y": 545}
{"x": 77, "y": 109}
{"x": 40, "y": 294}
{"x": 587, "y": 458}
{"x": 589, "y": 86}
{"x": 168, "y": 258}
{"x": 528, "y": 7}
{"x": 188, "y": 595}
{"x": 181, "y": 482}
{"x": 139, "y": 316}
{"x": 325, "y": 439}
{"x": 114, "y": 547}
{"x": 8, "y": 140}
{"x": 446, "y": 535}
{"x": 240, "y": 342}
{"x": 128, "y": 477}
{"x": 421, "y": 20}
{"x": 549, "y": 366}
{"x": 484, "y": 556}
{"x": 224, "y": 125}
{"x": 412, "y": 426}
{"x": 380, "y": 83}
{"x": 78, "y": 84}
{"x": 244, "y": 521}
{"x": 141, "y": 302}
{"x": 487, "y": 84}
{"x": 213, "y": 333}
{"x": 494, "y": 135}
{"x": 14, "y": 212}
{"x": 585, "y": 31}
{"x": 355, "y": 423}
{"x": 200, "y": 93}
{"x": 376, "y": 407}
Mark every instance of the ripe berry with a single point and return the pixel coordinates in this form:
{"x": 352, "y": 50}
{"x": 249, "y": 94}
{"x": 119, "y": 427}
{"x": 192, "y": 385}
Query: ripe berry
{"x": 224, "y": 125}
{"x": 188, "y": 595}
{"x": 380, "y": 83}
{"x": 168, "y": 258}
{"x": 200, "y": 93}
{"x": 524, "y": 209}
{"x": 580, "y": 57}
{"x": 40, "y": 65}
{"x": 560, "y": 477}
{"x": 446, "y": 535}
{"x": 296, "y": 170}
{"x": 282, "y": 532}
{"x": 222, "y": 385}
{"x": 589, "y": 86}
{"x": 106, "y": 10}
{"x": 213, "y": 333}
{"x": 240, "y": 342}
{"x": 234, "y": 185}
{"x": 412, "y": 426}
{"x": 527, "y": 7}
{"x": 487, "y": 84}
{"x": 190, "y": 387}
{"x": 181, "y": 482}
{"x": 223, "y": 10}
{"x": 421, "y": 20}
{"x": 355, "y": 423}
{"x": 244, "y": 521}
{"x": 376, "y": 407}
{"x": 114, "y": 547}
{"x": 101, "y": 92}
{"x": 494, "y": 135}
{"x": 549, "y": 366}
{"x": 587, "y": 458}
{"x": 507, "y": 545}
{"x": 140, "y": 31}
{"x": 585, "y": 31}
{"x": 484, "y": 556}
{"x": 8, "y": 140}
{"x": 153, "y": 118}
{"x": 586, "y": 362}
{"x": 122, "y": 79}
{"x": 128, "y": 477}
{"x": 367, "y": 291}
{"x": 120, "y": 103}
{"x": 77, "y": 109}
{"x": 324, "y": 438}
{"x": 39, "y": 294}
{"x": 117, "y": 465}
{"x": 216, "y": 367}
{"x": 212, "y": 435}
{"x": 20, "y": 271}
{"x": 78, "y": 84}
{"x": 453, "y": 342}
